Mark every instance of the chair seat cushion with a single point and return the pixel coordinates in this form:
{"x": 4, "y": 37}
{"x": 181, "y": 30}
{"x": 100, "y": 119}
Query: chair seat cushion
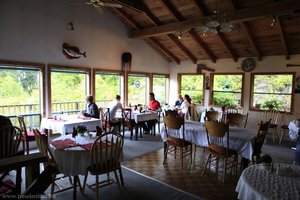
{"x": 221, "y": 150}
{"x": 6, "y": 190}
{"x": 284, "y": 126}
{"x": 31, "y": 134}
{"x": 177, "y": 142}
{"x": 273, "y": 126}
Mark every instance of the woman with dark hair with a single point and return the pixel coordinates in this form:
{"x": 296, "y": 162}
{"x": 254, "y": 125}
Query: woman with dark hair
{"x": 186, "y": 104}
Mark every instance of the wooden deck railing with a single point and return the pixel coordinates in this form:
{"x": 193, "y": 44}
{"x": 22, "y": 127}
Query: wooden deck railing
{"x": 32, "y": 114}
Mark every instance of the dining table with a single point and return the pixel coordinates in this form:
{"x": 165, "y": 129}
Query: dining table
{"x": 64, "y": 124}
{"x": 240, "y": 139}
{"x": 266, "y": 182}
{"x": 72, "y": 155}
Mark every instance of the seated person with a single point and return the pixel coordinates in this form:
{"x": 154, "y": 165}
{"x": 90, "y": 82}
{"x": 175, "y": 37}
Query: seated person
{"x": 92, "y": 109}
{"x": 114, "y": 107}
{"x": 179, "y": 100}
{"x": 154, "y": 105}
{"x": 4, "y": 121}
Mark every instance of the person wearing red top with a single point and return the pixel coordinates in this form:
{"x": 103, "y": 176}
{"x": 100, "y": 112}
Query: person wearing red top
{"x": 155, "y": 106}
{"x": 153, "y": 103}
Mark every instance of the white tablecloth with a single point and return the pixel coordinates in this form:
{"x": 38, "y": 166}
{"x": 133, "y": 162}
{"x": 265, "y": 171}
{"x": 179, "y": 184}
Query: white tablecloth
{"x": 258, "y": 183}
{"x": 73, "y": 160}
{"x": 141, "y": 117}
{"x": 66, "y": 124}
{"x": 293, "y": 130}
{"x": 240, "y": 139}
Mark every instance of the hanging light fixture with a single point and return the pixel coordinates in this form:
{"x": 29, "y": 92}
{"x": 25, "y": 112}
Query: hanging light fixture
{"x": 216, "y": 23}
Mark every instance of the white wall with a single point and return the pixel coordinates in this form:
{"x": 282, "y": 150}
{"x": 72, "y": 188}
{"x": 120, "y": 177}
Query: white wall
{"x": 34, "y": 31}
{"x": 268, "y": 64}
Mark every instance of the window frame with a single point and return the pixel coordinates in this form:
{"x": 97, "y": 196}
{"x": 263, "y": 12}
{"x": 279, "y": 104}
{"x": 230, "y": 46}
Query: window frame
{"x": 147, "y": 75}
{"x": 167, "y": 77}
{"x": 121, "y": 73}
{"x": 179, "y": 75}
{"x": 251, "y": 108}
{"x": 65, "y": 67}
{"x": 212, "y": 84}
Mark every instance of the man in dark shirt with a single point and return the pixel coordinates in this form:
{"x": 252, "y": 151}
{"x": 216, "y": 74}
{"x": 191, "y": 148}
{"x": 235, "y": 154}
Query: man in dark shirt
{"x": 179, "y": 100}
{"x": 92, "y": 109}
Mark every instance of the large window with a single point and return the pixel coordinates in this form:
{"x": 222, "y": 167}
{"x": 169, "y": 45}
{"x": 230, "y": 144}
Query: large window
{"x": 21, "y": 93}
{"x": 137, "y": 89}
{"x": 69, "y": 88}
{"x": 192, "y": 85}
{"x": 160, "y": 84}
{"x": 107, "y": 86}
{"x": 227, "y": 89}
{"x": 272, "y": 91}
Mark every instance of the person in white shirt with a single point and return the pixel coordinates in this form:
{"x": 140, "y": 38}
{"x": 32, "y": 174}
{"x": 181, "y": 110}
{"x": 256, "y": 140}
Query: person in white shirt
{"x": 185, "y": 104}
{"x": 114, "y": 107}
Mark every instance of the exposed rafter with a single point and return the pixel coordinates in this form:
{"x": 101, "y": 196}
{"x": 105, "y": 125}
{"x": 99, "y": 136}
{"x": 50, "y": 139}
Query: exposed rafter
{"x": 173, "y": 10}
{"x": 157, "y": 22}
{"x": 135, "y": 26}
{"x": 203, "y": 45}
{"x": 251, "y": 40}
{"x": 283, "y": 39}
{"x": 227, "y": 46}
{"x": 242, "y": 15}
{"x": 132, "y": 4}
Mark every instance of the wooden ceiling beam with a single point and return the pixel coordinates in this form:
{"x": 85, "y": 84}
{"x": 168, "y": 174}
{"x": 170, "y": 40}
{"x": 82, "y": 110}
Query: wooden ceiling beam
{"x": 165, "y": 50}
{"x": 203, "y": 45}
{"x": 202, "y": 8}
{"x": 227, "y": 46}
{"x": 173, "y": 10}
{"x": 135, "y": 26}
{"x": 251, "y": 40}
{"x": 157, "y": 22}
{"x": 246, "y": 14}
{"x": 283, "y": 39}
{"x": 132, "y": 4}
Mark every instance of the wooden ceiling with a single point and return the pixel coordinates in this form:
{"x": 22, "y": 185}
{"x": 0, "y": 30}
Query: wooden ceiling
{"x": 160, "y": 22}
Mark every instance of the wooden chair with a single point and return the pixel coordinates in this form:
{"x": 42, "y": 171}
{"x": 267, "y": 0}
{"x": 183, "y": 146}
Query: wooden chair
{"x": 218, "y": 145}
{"x": 128, "y": 122}
{"x": 211, "y": 115}
{"x": 109, "y": 123}
{"x": 273, "y": 116}
{"x": 286, "y": 118}
{"x": 28, "y": 136}
{"x": 171, "y": 112}
{"x": 237, "y": 119}
{"x": 259, "y": 140}
{"x": 45, "y": 151}
{"x": 186, "y": 148}
{"x": 105, "y": 154}
{"x": 10, "y": 139}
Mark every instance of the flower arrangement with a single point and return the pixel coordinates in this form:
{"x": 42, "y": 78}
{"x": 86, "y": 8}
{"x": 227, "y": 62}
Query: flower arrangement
{"x": 81, "y": 129}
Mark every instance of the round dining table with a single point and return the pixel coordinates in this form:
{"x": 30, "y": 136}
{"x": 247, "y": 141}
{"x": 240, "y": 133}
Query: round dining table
{"x": 279, "y": 181}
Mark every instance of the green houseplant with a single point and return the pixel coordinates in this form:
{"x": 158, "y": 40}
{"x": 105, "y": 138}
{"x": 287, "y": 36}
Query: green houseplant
{"x": 81, "y": 129}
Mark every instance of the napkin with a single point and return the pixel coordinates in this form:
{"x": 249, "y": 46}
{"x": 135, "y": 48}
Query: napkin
{"x": 85, "y": 118}
{"x": 62, "y": 144}
{"x": 89, "y": 145}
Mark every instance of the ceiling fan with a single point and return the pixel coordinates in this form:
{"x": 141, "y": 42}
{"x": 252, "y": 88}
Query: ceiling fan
{"x": 98, "y": 3}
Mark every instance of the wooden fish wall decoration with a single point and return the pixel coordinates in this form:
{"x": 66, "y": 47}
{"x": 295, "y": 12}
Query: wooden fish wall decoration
{"x": 72, "y": 52}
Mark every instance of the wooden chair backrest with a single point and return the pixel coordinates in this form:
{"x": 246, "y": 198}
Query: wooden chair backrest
{"x": 105, "y": 153}
{"x": 231, "y": 110}
{"x": 260, "y": 137}
{"x": 215, "y": 132}
{"x": 211, "y": 115}
{"x": 44, "y": 148}
{"x": 171, "y": 112}
{"x": 10, "y": 139}
{"x": 173, "y": 122}
{"x": 22, "y": 124}
{"x": 271, "y": 115}
{"x": 237, "y": 119}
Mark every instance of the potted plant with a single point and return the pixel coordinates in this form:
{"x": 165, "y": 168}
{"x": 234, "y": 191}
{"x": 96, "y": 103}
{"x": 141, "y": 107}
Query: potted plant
{"x": 272, "y": 104}
{"x": 266, "y": 161}
{"x": 81, "y": 130}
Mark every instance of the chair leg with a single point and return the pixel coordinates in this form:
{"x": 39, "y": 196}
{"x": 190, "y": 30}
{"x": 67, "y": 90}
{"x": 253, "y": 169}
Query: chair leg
{"x": 225, "y": 169}
{"x": 97, "y": 187}
{"x": 282, "y": 133}
{"x": 121, "y": 176}
{"x": 208, "y": 160}
{"x": 166, "y": 153}
{"x": 117, "y": 179}
{"x": 53, "y": 184}
{"x": 181, "y": 157}
{"x": 84, "y": 181}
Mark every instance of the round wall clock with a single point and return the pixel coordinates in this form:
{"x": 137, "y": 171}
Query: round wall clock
{"x": 248, "y": 64}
